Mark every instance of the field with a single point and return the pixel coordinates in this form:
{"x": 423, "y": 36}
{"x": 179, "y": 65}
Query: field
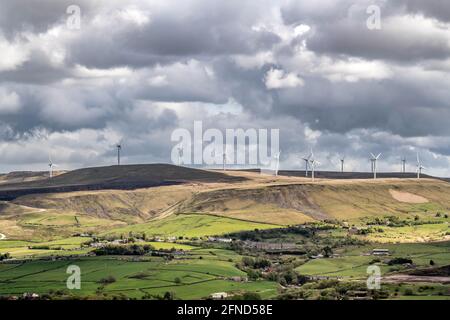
{"x": 191, "y": 225}
{"x": 179, "y": 213}
{"x": 353, "y": 262}
{"x": 188, "y": 278}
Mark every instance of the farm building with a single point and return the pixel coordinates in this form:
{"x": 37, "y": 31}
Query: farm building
{"x": 380, "y": 252}
{"x": 219, "y": 295}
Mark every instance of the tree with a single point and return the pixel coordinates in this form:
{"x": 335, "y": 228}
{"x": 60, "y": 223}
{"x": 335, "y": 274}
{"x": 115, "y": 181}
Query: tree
{"x": 177, "y": 280}
{"x": 251, "y": 296}
{"x": 431, "y": 263}
{"x": 169, "y": 296}
{"x": 327, "y": 252}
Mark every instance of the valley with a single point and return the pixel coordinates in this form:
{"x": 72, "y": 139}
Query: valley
{"x": 196, "y": 232}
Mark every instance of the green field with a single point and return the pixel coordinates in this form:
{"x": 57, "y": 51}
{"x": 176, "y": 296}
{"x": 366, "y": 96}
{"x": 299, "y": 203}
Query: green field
{"x": 191, "y": 225}
{"x": 353, "y": 262}
{"x": 187, "y": 278}
{"x": 62, "y": 247}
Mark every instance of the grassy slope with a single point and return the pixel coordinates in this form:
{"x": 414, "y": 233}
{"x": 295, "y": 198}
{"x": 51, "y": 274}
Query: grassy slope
{"x": 191, "y": 225}
{"x": 353, "y": 262}
{"x": 199, "y": 278}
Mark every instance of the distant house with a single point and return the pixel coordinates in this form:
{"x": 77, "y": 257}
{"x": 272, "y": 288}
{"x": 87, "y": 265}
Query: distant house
{"x": 353, "y": 230}
{"x": 239, "y": 279}
{"x": 380, "y": 252}
{"x": 219, "y": 295}
{"x": 31, "y": 296}
{"x": 226, "y": 240}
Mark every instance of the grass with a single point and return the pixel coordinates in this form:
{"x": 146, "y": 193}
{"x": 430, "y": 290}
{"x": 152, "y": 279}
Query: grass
{"x": 424, "y": 232}
{"x": 198, "y": 277}
{"x": 191, "y": 225}
{"x": 62, "y": 247}
{"x": 170, "y": 245}
{"x": 353, "y": 262}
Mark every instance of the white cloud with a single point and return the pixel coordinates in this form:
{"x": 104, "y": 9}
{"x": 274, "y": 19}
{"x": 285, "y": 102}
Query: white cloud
{"x": 353, "y": 70}
{"x": 9, "y": 101}
{"x": 278, "y": 79}
{"x": 255, "y": 61}
{"x": 12, "y": 54}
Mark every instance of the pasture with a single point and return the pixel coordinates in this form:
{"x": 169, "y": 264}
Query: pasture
{"x": 190, "y": 225}
{"x": 187, "y": 278}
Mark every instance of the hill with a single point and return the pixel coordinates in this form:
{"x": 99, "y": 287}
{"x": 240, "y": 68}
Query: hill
{"x": 295, "y": 203}
{"x": 25, "y": 176}
{"x": 123, "y": 177}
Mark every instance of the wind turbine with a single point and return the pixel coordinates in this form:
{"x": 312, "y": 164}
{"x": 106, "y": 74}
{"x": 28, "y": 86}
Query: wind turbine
{"x": 306, "y": 159}
{"x": 403, "y": 165}
{"x": 180, "y": 154}
{"x": 374, "y": 160}
{"x": 119, "y": 147}
{"x": 277, "y": 159}
{"x": 342, "y": 164}
{"x": 419, "y": 167}
{"x": 224, "y": 160}
{"x": 313, "y": 163}
{"x": 50, "y": 165}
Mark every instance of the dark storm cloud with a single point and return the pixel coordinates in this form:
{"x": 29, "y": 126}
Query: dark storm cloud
{"x": 191, "y": 29}
{"x": 353, "y": 38}
{"x": 390, "y": 105}
{"x": 37, "y": 16}
{"x": 136, "y": 70}
{"x": 438, "y": 9}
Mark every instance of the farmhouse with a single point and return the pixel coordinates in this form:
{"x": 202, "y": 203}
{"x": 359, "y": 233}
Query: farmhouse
{"x": 380, "y": 252}
{"x": 219, "y": 295}
{"x": 225, "y": 240}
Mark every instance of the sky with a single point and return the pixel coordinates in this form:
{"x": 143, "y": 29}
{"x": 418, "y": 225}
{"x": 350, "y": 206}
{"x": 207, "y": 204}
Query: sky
{"x": 134, "y": 71}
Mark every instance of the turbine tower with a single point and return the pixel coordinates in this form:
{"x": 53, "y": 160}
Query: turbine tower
{"x": 374, "y": 160}
{"x": 224, "y": 160}
{"x": 306, "y": 159}
{"x": 313, "y": 163}
{"x": 342, "y": 164}
{"x": 277, "y": 159}
{"x": 50, "y": 165}
{"x": 419, "y": 167}
{"x": 119, "y": 147}
{"x": 180, "y": 154}
{"x": 403, "y": 165}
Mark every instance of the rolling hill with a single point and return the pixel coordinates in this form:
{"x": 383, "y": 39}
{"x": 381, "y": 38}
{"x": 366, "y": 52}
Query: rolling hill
{"x": 123, "y": 177}
{"x": 128, "y": 196}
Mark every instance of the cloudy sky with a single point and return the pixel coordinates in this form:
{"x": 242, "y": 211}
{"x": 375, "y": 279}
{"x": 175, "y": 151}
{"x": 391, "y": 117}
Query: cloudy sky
{"x": 136, "y": 70}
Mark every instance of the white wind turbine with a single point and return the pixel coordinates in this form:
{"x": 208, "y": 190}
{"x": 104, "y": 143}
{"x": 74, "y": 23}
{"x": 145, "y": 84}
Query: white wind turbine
{"x": 224, "y": 160}
{"x": 419, "y": 167}
{"x": 403, "y": 164}
{"x": 342, "y": 164}
{"x": 374, "y": 160}
{"x": 306, "y": 159}
{"x": 180, "y": 155}
{"x": 119, "y": 148}
{"x": 50, "y": 166}
{"x": 313, "y": 163}
{"x": 277, "y": 164}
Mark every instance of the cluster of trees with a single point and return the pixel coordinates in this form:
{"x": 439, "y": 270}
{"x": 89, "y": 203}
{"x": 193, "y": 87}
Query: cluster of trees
{"x": 107, "y": 280}
{"x": 4, "y": 256}
{"x": 395, "y": 261}
{"x": 332, "y": 289}
{"x": 124, "y": 250}
{"x": 267, "y": 234}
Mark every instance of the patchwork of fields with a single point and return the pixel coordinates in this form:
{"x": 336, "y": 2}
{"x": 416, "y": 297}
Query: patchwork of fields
{"x": 42, "y": 234}
{"x": 189, "y": 278}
